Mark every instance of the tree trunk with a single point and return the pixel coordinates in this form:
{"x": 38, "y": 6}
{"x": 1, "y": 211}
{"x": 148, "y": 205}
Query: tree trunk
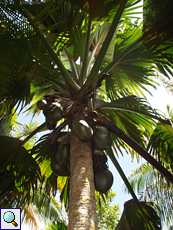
{"x": 82, "y": 206}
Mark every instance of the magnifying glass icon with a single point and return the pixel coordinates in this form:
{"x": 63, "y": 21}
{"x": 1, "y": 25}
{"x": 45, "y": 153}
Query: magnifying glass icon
{"x": 9, "y": 217}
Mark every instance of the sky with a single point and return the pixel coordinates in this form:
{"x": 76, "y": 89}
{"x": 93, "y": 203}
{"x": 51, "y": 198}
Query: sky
{"x": 161, "y": 97}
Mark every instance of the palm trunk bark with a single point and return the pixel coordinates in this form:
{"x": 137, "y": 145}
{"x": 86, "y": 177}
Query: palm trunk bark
{"x": 82, "y": 206}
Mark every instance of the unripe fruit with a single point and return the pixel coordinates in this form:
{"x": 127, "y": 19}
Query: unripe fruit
{"x": 82, "y": 130}
{"x": 42, "y": 104}
{"x": 102, "y": 139}
{"x": 54, "y": 112}
{"x": 50, "y": 125}
{"x": 103, "y": 180}
{"x": 63, "y": 153}
{"x": 59, "y": 169}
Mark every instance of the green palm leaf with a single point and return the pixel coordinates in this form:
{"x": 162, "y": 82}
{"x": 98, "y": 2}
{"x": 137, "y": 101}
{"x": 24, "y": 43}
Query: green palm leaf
{"x": 20, "y": 166}
{"x": 58, "y": 20}
{"x": 141, "y": 177}
{"x": 132, "y": 217}
{"x": 127, "y": 113}
{"x": 151, "y": 186}
{"x": 30, "y": 61}
{"x": 45, "y": 208}
{"x": 161, "y": 143}
{"x": 8, "y": 124}
{"x": 158, "y": 22}
{"x": 131, "y": 104}
{"x": 103, "y": 10}
{"x": 132, "y": 73}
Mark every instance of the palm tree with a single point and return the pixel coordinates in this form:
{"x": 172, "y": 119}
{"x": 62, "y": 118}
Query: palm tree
{"x": 109, "y": 67}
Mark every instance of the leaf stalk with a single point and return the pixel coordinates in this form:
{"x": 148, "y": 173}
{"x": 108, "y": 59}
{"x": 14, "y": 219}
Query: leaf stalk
{"x": 94, "y": 72}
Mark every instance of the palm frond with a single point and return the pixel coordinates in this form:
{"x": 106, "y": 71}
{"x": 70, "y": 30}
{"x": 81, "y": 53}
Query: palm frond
{"x": 128, "y": 121}
{"x": 47, "y": 206}
{"x": 141, "y": 177}
{"x": 104, "y": 10}
{"x": 18, "y": 163}
{"x": 28, "y": 58}
{"x": 58, "y": 20}
{"x": 132, "y": 104}
{"x": 8, "y": 124}
{"x": 160, "y": 143}
{"x": 132, "y": 217}
{"x": 132, "y": 74}
{"x": 29, "y": 217}
{"x": 98, "y": 62}
{"x": 158, "y": 23}
{"x": 152, "y": 187}
{"x": 49, "y": 48}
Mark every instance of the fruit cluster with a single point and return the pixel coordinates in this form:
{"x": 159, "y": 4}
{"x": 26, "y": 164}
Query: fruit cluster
{"x": 100, "y": 140}
{"x": 103, "y": 177}
{"x": 60, "y": 161}
{"x": 52, "y": 110}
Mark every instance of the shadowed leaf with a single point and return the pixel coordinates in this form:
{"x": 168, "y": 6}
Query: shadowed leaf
{"x": 133, "y": 219}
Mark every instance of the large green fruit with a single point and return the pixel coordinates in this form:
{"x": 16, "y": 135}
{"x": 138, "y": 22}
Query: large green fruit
{"x": 103, "y": 180}
{"x": 63, "y": 153}
{"x": 42, "y": 104}
{"x": 50, "y": 125}
{"x": 102, "y": 139}
{"x": 82, "y": 130}
{"x": 54, "y": 112}
{"x": 59, "y": 169}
